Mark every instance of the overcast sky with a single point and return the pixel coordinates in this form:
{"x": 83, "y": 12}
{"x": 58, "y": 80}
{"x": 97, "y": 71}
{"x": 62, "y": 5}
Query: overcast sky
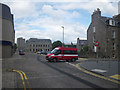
{"x": 43, "y": 18}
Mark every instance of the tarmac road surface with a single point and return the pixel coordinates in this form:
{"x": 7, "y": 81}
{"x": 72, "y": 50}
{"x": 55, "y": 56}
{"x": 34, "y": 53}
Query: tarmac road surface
{"x": 40, "y": 73}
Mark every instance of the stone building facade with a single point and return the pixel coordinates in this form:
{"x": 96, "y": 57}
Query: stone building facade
{"x": 106, "y": 32}
{"x": 80, "y": 44}
{"x": 34, "y": 45}
{"x": 21, "y": 43}
{"x": 7, "y": 32}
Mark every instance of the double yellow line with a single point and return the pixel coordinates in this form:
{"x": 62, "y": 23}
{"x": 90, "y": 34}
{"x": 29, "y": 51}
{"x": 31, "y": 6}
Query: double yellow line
{"x": 23, "y": 77}
{"x": 96, "y": 75}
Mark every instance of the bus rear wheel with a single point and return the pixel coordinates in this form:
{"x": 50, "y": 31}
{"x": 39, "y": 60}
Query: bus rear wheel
{"x": 73, "y": 59}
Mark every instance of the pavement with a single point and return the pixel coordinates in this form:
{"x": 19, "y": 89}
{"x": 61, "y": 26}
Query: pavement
{"x": 104, "y": 67}
{"x": 8, "y": 77}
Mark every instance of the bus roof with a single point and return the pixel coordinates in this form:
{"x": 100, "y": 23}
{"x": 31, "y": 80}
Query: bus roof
{"x": 66, "y": 48}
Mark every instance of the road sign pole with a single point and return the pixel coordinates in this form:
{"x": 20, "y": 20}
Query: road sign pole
{"x": 63, "y": 36}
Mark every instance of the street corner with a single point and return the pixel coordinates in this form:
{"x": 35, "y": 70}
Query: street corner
{"x": 107, "y": 70}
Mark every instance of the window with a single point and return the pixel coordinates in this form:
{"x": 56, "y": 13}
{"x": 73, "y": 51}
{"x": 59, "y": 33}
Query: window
{"x": 113, "y": 55}
{"x": 58, "y": 52}
{"x": 93, "y": 29}
{"x": 110, "y": 22}
{"x": 73, "y": 52}
{"x": 113, "y": 22}
{"x": 113, "y": 34}
{"x": 94, "y": 39}
{"x": 114, "y": 47}
{"x": 69, "y": 52}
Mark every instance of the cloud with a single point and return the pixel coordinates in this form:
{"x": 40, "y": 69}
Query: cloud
{"x": 60, "y": 0}
{"x": 22, "y": 9}
{"x": 106, "y": 7}
{"x": 38, "y": 19}
{"x": 55, "y": 33}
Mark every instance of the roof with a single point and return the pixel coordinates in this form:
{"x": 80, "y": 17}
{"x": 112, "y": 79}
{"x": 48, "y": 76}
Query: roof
{"x": 38, "y": 40}
{"x": 66, "y": 48}
{"x": 106, "y": 20}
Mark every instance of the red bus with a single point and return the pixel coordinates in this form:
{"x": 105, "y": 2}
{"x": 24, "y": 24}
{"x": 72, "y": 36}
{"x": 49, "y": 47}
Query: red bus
{"x": 63, "y": 53}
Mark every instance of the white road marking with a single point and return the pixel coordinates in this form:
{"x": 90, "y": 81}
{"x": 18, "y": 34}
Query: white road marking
{"x": 71, "y": 64}
{"x": 99, "y": 70}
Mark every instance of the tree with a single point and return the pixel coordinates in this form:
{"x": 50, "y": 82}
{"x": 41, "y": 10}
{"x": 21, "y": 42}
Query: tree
{"x": 15, "y": 47}
{"x": 85, "y": 48}
{"x": 56, "y": 44}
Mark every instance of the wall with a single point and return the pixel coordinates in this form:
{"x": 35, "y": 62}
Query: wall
{"x": 7, "y": 30}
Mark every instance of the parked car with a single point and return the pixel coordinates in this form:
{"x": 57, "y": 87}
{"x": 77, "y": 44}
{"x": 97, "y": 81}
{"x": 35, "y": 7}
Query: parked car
{"x": 21, "y": 52}
{"x": 38, "y": 52}
{"x": 48, "y": 52}
{"x": 63, "y": 53}
{"x": 44, "y": 52}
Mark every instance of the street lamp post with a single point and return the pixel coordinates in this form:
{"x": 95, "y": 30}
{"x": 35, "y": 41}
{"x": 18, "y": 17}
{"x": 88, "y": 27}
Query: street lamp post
{"x": 63, "y": 36}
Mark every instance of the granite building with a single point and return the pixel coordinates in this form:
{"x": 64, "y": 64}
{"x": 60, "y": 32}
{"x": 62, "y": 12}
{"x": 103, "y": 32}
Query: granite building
{"x": 7, "y": 32}
{"x": 34, "y": 45}
{"x": 21, "y": 43}
{"x": 105, "y": 31}
{"x": 80, "y": 44}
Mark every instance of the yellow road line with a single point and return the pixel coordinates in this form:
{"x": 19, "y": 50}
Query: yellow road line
{"x": 96, "y": 75}
{"x": 116, "y": 76}
{"x": 26, "y": 78}
{"x": 23, "y": 82}
{"x": 23, "y": 75}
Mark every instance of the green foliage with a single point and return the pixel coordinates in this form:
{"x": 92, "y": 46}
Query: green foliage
{"x": 15, "y": 47}
{"x": 71, "y": 45}
{"x": 56, "y": 44}
{"x": 84, "y": 49}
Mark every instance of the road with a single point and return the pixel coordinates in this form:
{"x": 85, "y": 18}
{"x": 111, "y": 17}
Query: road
{"x": 43, "y": 74}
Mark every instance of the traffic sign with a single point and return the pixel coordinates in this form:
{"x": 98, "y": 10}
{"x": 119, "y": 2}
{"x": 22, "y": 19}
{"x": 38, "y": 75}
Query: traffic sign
{"x": 96, "y": 43}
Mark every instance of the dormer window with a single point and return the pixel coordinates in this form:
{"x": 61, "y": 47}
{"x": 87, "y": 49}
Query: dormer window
{"x": 111, "y": 22}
